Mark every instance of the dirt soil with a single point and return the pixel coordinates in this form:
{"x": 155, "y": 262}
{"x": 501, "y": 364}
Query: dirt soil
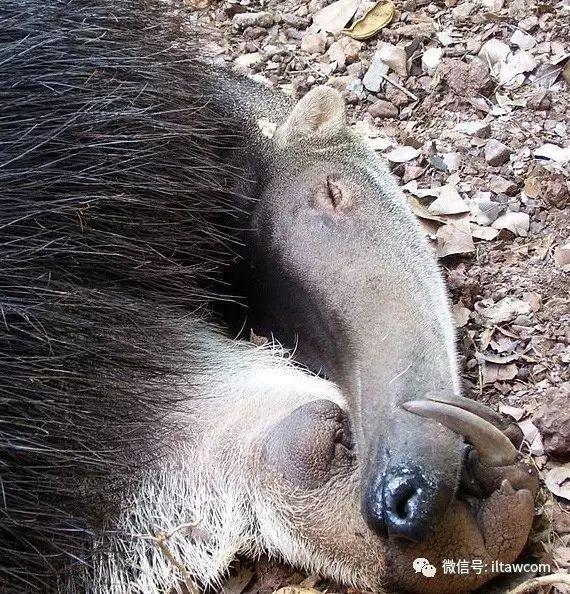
{"x": 470, "y": 103}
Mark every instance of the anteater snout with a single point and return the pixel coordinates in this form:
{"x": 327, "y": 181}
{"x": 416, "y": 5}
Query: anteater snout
{"x": 403, "y": 503}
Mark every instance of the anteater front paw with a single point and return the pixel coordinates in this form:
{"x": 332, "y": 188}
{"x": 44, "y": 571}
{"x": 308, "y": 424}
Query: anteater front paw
{"x": 310, "y": 445}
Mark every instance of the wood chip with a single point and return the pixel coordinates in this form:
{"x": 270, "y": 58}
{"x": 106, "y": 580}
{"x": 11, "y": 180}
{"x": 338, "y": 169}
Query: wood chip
{"x": 375, "y": 19}
{"x": 333, "y": 18}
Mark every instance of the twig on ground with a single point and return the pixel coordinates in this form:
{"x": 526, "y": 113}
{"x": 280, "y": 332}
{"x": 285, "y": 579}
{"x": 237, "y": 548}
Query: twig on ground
{"x": 531, "y": 586}
{"x": 400, "y": 87}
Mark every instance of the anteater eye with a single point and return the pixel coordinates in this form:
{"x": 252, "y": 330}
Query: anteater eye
{"x": 332, "y": 196}
{"x": 334, "y": 191}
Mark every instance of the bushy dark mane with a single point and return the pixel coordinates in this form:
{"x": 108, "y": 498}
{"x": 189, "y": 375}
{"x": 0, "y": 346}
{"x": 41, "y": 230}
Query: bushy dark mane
{"x": 115, "y": 189}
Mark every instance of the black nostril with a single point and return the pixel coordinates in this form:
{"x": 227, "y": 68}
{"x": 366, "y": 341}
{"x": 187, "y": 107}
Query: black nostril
{"x": 403, "y": 504}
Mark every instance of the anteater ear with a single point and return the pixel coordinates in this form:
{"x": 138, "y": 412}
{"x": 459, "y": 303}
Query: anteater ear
{"x": 319, "y": 113}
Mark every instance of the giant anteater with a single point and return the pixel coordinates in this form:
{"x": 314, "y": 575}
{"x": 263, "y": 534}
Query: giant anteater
{"x": 153, "y": 211}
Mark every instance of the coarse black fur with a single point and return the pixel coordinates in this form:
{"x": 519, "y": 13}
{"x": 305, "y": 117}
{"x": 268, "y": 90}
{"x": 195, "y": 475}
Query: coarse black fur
{"x": 119, "y": 181}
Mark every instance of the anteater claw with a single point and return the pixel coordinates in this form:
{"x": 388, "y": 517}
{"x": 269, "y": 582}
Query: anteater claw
{"x": 493, "y": 446}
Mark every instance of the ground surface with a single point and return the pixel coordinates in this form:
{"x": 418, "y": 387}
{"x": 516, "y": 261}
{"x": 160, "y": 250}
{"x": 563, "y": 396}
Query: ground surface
{"x": 470, "y": 102}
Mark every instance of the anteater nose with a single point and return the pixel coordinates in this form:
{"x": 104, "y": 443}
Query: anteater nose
{"x": 402, "y": 504}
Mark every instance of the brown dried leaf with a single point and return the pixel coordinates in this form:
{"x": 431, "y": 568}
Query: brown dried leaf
{"x": 455, "y": 238}
{"x": 562, "y": 257}
{"x": 561, "y": 556}
{"x": 558, "y": 480}
{"x": 296, "y": 590}
{"x": 486, "y": 336}
{"x": 505, "y": 310}
{"x": 516, "y": 413}
{"x": 402, "y": 154}
{"x": 534, "y": 300}
{"x": 532, "y": 437}
{"x": 497, "y": 359}
{"x": 566, "y": 73}
{"x": 460, "y": 314}
{"x": 310, "y": 581}
{"x": 412, "y": 187}
{"x": 449, "y": 202}
{"x": 422, "y": 211}
{"x": 257, "y": 340}
{"x": 485, "y": 233}
{"x": 498, "y": 373}
{"x": 517, "y": 223}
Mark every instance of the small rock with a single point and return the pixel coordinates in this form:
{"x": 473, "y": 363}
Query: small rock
{"x": 394, "y": 56}
{"x": 253, "y": 19}
{"x": 529, "y": 24}
{"x": 473, "y": 46}
{"x": 493, "y": 5}
{"x": 274, "y": 50}
{"x": 431, "y": 59}
{"x": 553, "y": 152}
{"x": 562, "y": 257}
{"x": 438, "y": 163}
{"x": 355, "y": 70}
{"x": 517, "y": 223}
{"x": 373, "y": 78}
{"x": 479, "y": 128}
{"x": 553, "y": 420}
{"x": 462, "y": 11}
{"x": 383, "y": 109}
{"x": 355, "y": 86}
{"x": 538, "y": 100}
{"x": 314, "y": 43}
{"x": 249, "y": 60}
{"x": 254, "y": 32}
{"x": 445, "y": 38}
{"x": 294, "y": 20}
{"x": 483, "y": 210}
{"x": 394, "y": 95}
{"x": 417, "y": 30}
{"x": 336, "y": 54}
{"x": 500, "y": 185}
{"x": 352, "y": 48}
{"x": 452, "y": 161}
{"x": 493, "y": 51}
{"x": 466, "y": 79}
{"x": 497, "y": 153}
{"x": 519, "y": 9}
{"x": 523, "y": 40}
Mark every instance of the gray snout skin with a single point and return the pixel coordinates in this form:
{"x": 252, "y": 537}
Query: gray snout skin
{"x": 411, "y": 477}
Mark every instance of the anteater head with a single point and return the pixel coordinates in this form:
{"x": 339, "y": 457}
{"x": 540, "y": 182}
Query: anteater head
{"x": 345, "y": 276}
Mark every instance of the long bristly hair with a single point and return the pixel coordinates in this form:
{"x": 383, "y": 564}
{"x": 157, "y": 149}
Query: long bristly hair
{"x": 117, "y": 187}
